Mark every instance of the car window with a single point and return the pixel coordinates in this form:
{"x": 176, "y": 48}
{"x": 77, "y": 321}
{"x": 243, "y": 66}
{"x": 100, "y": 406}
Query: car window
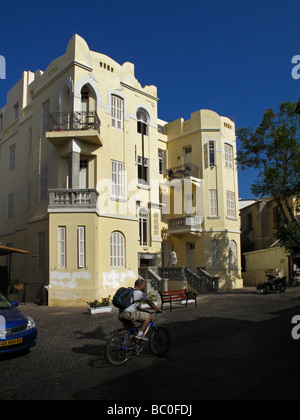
{"x": 5, "y": 303}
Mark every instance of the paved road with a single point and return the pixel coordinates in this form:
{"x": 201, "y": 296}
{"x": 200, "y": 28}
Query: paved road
{"x": 233, "y": 346}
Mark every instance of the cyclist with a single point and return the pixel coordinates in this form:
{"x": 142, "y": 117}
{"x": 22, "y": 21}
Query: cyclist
{"x": 134, "y": 312}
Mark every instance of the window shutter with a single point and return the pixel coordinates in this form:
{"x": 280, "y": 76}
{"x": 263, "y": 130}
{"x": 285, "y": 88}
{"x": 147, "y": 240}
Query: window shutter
{"x": 81, "y": 246}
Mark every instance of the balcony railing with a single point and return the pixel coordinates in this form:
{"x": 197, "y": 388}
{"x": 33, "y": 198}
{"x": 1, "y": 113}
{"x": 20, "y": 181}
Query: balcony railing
{"x": 182, "y": 171}
{"x": 185, "y": 224}
{"x": 69, "y": 121}
{"x": 70, "y": 198}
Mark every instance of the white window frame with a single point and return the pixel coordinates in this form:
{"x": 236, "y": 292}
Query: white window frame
{"x": 211, "y": 150}
{"x": 62, "y": 247}
{"x": 213, "y": 203}
{"x": 230, "y": 198}
{"x": 228, "y": 156}
{"x": 117, "y": 179}
{"x": 117, "y": 111}
{"x": 81, "y": 246}
{"x": 142, "y": 181}
{"x": 117, "y": 250}
{"x": 144, "y": 227}
{"x": 160, "y": 161}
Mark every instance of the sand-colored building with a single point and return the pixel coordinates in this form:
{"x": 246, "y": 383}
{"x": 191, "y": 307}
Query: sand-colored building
{"x": 91, "y": 182}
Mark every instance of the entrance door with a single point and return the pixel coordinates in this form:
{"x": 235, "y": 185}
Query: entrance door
{"x": 190, "y": 255}
{"x": 187, "y": 155}
{"x": 83, "y": 174}
{"x": 84, "y": 106}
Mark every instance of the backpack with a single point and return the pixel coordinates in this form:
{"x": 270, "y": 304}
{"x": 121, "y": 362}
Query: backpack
{"x": 123, "y": 297}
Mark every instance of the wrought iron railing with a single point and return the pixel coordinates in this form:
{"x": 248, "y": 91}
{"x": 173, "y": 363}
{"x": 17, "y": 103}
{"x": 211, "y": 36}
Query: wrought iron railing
{"x": 181, "y": 171}
{"x": 68, "y": 121}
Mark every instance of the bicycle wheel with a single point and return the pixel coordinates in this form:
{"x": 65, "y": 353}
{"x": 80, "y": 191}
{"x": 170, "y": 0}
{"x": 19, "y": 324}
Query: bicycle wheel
{"x": 114, "y": 351}
{"x": 159, "y": 341}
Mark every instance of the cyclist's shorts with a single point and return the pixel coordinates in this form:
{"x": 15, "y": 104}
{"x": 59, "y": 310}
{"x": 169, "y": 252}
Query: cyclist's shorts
{"x": 133, "y": 316}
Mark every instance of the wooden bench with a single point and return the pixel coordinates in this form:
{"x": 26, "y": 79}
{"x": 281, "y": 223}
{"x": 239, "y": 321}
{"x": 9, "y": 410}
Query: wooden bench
{"x": 177, "y": 296}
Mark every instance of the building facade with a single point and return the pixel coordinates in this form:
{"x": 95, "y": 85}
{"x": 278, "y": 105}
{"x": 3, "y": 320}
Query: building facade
{"x": 91, "y": 181}
{"x": 261, "y": 251}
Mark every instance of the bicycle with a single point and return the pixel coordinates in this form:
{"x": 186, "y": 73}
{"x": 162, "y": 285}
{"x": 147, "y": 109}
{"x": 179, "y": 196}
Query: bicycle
{"x": 124, "y": 343}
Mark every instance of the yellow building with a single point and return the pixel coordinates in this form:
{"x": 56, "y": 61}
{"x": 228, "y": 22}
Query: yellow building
{"x": 86, "y": 172}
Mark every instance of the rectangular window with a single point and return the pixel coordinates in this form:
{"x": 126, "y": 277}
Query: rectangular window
{"x": 10, "y": 206}
{"x": 117, "y": 179}
{"x": 162, "y": 161}
{"x": 228, "y": 156}
{"x": 12, "y": 157}
{"x": 1, "y": 122}
{"x": 142, "y": 170}
{"x": 143, "y": 228}
{"x": 142, "y": 128}
{"x": 44, "y": 182}
{"x": 211, "y": 153}
{"x": 117, "y": 112}
{"x": 16, "y": 110}
{"x": 81, "y": 246}
{"x": 45, "y": 117}
{"x": 230, "y": 204}
{"x": 213, "y": 203}
{"x": 62, "y": 247}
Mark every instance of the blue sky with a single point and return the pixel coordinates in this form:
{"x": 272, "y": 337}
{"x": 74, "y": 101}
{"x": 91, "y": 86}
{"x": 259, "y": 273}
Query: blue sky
{"x": 231, "y": 56}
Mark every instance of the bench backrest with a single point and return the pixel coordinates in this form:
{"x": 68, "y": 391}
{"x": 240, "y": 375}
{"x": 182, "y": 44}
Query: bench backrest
{"x": 179, "y": 294}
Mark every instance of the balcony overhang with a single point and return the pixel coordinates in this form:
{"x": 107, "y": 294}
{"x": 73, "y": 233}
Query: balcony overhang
{"x": 63, "y": 126}
{"x": 185, "y": 224}
{"x": 58, "y": 138}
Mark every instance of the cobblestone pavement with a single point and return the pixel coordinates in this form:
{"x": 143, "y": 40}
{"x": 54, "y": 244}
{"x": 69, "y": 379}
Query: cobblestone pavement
{"x": 235, "y": 345}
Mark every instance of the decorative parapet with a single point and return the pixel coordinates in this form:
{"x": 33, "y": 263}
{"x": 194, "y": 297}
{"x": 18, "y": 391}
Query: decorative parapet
{"x": 64, "y": 199}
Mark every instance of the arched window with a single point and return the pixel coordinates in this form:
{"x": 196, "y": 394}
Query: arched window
{"x": 232, "y": 254}
{"x": 117, "y": 250}
{"x": 143, "y": 119}
{"x": 215, "y": 254}
{"x": 144, "y": 227}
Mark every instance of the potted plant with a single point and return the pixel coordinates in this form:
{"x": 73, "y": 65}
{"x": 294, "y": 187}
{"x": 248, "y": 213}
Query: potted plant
{"x": 152, "y": 298}
{"x": 100, "y": 306}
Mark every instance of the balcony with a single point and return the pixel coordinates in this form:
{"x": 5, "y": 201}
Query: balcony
{"x": 182, "y": 171}
{"x": 64, "y": 200}
{"x": 62, "y": 126}
{"x": 185, "y": 224}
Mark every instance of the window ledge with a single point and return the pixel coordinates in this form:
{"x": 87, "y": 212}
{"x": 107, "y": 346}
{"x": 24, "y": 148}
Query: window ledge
{"x": 116, "y": 198}
{"x": 143, "y": 187}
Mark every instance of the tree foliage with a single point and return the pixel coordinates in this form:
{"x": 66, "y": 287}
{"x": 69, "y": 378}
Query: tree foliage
{"x": 273, "y": 149}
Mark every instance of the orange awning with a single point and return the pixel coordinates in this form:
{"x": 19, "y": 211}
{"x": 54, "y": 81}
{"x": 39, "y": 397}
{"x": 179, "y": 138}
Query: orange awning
{"x": 5, "y": 250}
